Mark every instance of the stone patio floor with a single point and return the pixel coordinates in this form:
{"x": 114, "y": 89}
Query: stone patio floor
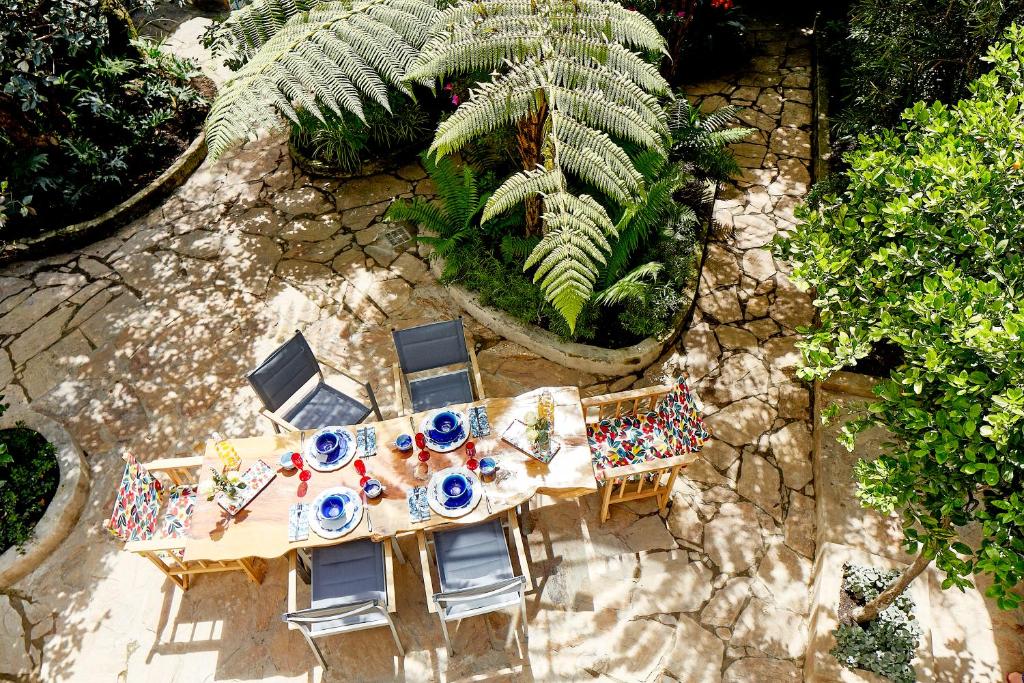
{"x": 142, "y": 341}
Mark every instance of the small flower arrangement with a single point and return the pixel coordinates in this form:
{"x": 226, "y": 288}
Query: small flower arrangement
{"x": 229, "y": 483}
{"x": 538, "y": 431}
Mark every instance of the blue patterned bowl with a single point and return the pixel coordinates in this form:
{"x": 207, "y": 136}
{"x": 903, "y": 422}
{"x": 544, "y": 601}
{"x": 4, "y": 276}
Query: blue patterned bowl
{"x": 455, "y": 491}
{"x": 404, "y": 442}
{"x": 327, "y": 444}
{"x": 332, "y": 508}
{"x": 445, "y": 428}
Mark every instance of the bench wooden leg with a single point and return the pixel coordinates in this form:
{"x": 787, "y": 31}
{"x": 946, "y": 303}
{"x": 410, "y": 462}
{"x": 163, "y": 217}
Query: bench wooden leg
{"x": 181, "y": 581}
{"x": 248, "y": 566}
{"x": 606, "y": 496}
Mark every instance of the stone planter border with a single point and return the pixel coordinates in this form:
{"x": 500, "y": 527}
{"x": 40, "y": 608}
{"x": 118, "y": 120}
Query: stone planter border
{"x": 584, "y": 357}
{"x": 66, "y": 505}
{"x": 125, "y": 212}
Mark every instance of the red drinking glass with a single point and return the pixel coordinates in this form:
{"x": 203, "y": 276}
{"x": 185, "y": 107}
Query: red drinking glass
{"x": 304, "y": 475}
{"x": 297, "y": 460}
{"x": 421, "y": 441}
{"x": 360, "y": 467}
{"x": 424, "y": 456}
{"x": 470, "y": 449}
{"x": 472, "y": 464}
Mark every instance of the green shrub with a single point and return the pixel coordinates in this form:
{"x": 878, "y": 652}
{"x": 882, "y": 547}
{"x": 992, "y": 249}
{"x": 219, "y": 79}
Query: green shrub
{"x": 922, "y": 250}
{"x": 893, "y": 54}
{"x": 28, "y": 480}
{"x": 887, "y": 645}
{"x": 342, "y": 143}
{"x": 86, "y": 136}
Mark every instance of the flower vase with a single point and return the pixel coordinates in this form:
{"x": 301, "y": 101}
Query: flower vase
{"x": 541, "y": 447}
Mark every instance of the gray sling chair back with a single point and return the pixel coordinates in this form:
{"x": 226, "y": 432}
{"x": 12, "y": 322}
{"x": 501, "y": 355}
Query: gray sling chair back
{"x": 475, "y": 571}
{"x": 351, "y": 589}
{"x": 287, "y": 371}
{"x": 430, "y": 347}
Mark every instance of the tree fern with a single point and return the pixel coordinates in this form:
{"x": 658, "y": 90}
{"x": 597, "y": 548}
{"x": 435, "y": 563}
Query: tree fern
{"x": 568, "y": 68}
{"x": 327, "y": 58}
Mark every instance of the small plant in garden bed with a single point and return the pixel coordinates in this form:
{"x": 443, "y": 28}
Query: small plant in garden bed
{"x": 340, "y": 145}
{"x": 28, "y": 480}
{"x": 86, "y": 121}
{"x": 886, "y": 645}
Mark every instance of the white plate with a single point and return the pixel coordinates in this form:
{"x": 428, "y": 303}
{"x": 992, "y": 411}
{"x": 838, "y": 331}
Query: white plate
{"x": 351, "y": 520}
{"x": 438, "y": 448}
{"x": 435, "y": 502}
{"x": 312, "y": 458}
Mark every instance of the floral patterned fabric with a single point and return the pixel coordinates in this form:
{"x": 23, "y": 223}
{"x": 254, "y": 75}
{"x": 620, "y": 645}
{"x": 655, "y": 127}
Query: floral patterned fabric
{"x": 681, "y": 419}
{"x": 675, "y": 428}
{"x": 137, "y": 504}
{"x": 178, "y": 511}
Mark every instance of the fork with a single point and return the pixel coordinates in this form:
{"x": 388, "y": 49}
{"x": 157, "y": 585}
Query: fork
{"x": 487, "y": 499}
{"x": 366, "y": 511}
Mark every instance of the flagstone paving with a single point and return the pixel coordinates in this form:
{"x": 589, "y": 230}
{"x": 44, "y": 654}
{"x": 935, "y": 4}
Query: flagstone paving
{"x": 142, "y": 340}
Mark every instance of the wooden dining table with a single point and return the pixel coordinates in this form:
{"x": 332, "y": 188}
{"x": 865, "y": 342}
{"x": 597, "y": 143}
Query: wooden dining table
{"x": 261, "y": 528}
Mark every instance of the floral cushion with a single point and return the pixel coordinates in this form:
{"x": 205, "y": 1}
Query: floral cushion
{"x": 181, "y": 501}
{"x": 137, "y": 504}
{"x": 675, "y": 428}
{"x": 680, "y": 418}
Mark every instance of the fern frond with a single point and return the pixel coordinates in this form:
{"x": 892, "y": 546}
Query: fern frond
{"x": 514, "y": 247}
{"x": 631, "y": 286}
{"x": 245, "y": 30}
{"x": 568, "y": 257}
{"x": 520, "y": 186}
{"x": 421, "y": 212}
{"x": 329, "y": 57}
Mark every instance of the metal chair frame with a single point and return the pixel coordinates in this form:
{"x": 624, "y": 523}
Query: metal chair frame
{"x": 401, "y": 379}
{"x": 439, "y": 601}
{"x": 303, "y": 620}
{"x": 276, "y": 416}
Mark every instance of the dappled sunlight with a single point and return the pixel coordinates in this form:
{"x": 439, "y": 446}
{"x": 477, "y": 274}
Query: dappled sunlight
{"x": 142, "y": 340}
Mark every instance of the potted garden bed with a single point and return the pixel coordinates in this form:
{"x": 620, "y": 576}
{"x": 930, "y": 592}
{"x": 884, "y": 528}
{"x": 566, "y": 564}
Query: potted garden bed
{"x": 632, "y": 359}
{"x": 831, "y": 602}
{"x": 45, "y": 486}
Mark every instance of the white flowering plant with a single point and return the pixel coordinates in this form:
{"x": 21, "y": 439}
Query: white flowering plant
{"x": 229, "y": 483}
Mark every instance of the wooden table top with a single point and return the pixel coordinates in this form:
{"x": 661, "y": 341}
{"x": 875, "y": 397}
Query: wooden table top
{"x": 261, "y": 529}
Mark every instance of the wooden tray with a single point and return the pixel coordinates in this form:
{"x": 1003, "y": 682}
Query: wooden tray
{"x": 515, "y": 436}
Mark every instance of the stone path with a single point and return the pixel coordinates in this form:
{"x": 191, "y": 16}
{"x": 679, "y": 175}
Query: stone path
{"x": 142, "y": 340}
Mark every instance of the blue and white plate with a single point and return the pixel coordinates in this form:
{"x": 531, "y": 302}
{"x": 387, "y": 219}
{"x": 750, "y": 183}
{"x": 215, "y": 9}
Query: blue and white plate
{"x": 333, "y": 461}
{"x": 446, "y": 430}
{"x": 437, "y": 499}
{"x": 344, "y": 524}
